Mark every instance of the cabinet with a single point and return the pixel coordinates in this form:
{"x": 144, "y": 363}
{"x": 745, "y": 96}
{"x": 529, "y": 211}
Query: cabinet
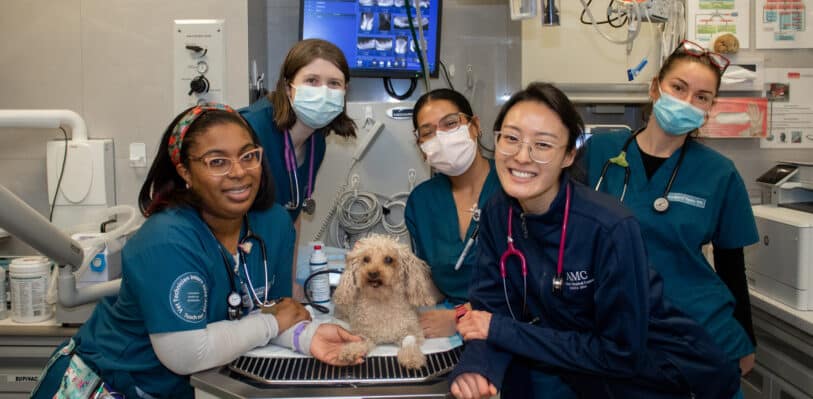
{"x": 784, "y": 356}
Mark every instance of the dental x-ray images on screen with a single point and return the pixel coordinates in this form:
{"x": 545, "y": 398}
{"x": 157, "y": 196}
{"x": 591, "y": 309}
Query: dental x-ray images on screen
{"x": 374, "y": 34}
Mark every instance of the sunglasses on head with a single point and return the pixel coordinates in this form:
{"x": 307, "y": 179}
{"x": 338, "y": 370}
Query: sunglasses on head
{"x": 694, "y": 49}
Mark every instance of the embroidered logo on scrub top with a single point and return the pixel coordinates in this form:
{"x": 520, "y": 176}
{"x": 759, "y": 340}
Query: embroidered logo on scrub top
{"x": 578, "y": 280}
{"x": 687, "y": 199}
{"x": 188, "y": 297}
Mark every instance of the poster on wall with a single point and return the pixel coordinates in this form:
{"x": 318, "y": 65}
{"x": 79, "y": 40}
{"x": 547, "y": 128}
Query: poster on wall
{"x": 737, "y": 118}
{"x": 713, "y": 22}
{"x": 790, "y": 108}
{"x": 783, "y": 24}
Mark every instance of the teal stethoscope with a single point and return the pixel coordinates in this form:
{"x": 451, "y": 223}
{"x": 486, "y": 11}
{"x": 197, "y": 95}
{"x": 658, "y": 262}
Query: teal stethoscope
{"x": 308, "y": 205}
{"x": 661, "y": 204}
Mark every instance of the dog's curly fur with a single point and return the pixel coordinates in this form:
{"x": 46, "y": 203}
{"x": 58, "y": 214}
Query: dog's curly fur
{"x": 379, "y": 293}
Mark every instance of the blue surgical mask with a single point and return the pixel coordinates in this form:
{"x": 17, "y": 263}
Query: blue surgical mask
{"x": 677, "y": 117}
{"x": 317, "y": 106}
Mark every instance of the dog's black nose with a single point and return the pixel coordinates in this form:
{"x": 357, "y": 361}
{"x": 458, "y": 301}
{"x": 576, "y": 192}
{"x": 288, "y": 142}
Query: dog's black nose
{"x": 373, "y": 275}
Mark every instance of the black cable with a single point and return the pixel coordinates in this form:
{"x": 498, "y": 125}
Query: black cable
{"x": 308, "y": 299}
{"x": 418, "y": 45}
{"x": 413, "y": 84}
{"x": 61, "y": 173}
{"x": 446, "y": 74}
{"x": 608, "y": 21}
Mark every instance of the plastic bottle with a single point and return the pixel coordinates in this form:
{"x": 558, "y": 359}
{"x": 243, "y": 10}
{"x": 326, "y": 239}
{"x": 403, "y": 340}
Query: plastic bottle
{"x": 28, "y": 280}
{"x": 319, "y": 285}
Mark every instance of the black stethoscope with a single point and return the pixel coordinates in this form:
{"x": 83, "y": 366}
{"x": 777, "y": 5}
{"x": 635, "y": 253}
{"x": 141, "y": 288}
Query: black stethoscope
{"x": 661, "y": 204}
{"x": 308, "y": 205}
{"x": 558, "y": 280}
{"x": 234, "y": 300}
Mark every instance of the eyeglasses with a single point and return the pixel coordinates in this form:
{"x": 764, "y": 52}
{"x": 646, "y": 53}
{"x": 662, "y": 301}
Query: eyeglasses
{"x": 694, "y": 49}
{"x": 446, "y": 124}
{"x": 510, "y": 143}
{"x": 221, "y": 166}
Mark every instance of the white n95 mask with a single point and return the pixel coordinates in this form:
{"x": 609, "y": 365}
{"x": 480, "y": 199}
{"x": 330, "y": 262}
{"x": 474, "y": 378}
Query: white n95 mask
{"x": 450, "y": 153}
{"x": 317, "y": 106}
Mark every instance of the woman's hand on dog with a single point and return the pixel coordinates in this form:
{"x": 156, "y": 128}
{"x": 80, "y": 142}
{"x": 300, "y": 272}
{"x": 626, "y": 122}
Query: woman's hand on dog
{"x": 328, "y": 342}
{"x": 472, "y": 386}
{"x": 288, "y": 312}
{"x": 474, "y": 325}
{"x": 438, "y": 323}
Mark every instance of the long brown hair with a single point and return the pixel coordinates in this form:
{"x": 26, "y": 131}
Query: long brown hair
{"x": 300, "y": 55}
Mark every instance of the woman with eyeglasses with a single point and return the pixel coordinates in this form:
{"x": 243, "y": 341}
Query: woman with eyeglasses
{"x": 686, "y": 195}
{"x": 442, "y": 214}
{"x": 201, "y": 278}
{"x": 562, "y": 283}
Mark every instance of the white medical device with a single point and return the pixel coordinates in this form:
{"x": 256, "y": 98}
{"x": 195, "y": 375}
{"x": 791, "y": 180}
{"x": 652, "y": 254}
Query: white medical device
{"x": 780, "y": 265}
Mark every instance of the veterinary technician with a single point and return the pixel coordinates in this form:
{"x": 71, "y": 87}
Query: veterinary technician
{"x": 686, "y": 195}
{"x": 443, "y": 213}
{"x": 307, "y": 104}
{"x": 562, "y": 282}
{"x": 199, "y": 277}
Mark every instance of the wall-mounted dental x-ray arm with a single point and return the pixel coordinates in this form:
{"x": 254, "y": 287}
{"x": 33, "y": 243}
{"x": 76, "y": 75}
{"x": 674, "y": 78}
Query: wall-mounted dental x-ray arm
{"x": 25, "y": 223}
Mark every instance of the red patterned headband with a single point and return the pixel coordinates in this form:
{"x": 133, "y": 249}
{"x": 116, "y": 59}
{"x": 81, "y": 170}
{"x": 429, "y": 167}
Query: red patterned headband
{"x": 179, "y": 132}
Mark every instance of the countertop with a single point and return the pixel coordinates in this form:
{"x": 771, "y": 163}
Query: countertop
{"x": 801, "y": 319}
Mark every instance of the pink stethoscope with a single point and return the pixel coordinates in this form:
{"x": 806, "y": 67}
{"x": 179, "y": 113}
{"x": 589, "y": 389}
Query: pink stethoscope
{"x": 558, "y": 280}
{"x": 309, "y": 205}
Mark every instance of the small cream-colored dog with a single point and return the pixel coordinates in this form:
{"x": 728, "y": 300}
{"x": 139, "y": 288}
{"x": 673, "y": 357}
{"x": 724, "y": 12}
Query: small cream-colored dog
{"x": 379, "y": 293}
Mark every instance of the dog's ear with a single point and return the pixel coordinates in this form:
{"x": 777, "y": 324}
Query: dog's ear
{"x": 345, "y": 293}
{"x": 416, "y": 277}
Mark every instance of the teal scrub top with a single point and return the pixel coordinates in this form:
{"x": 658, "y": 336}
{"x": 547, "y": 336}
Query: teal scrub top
{"x": 431, "y": 218}
{"x": 708, "y": 202}
{"x": 260, "y": 115}
{"x": 174, "y": 278}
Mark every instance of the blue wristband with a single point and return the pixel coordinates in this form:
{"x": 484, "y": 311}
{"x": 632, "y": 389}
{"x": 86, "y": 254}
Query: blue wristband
{"x": 297, "y": 332}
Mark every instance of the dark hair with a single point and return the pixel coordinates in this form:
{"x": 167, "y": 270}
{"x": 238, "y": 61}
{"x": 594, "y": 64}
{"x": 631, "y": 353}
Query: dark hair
{"x": 441, "y": 94}
{"x": 554, "y": 99}
{"x": 300, "y": 55}
{"x": 679, "y": 56}
{"x": 164, "y": 187}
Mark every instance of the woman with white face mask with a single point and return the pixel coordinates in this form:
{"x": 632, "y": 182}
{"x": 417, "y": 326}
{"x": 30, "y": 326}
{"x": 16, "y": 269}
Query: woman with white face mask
{"x": 292, "y": 122}
{"x": 441, "y": 213}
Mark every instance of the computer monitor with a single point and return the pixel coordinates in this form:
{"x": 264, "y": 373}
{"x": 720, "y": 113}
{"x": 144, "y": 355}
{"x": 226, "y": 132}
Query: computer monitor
{"x": 375, "y": 35}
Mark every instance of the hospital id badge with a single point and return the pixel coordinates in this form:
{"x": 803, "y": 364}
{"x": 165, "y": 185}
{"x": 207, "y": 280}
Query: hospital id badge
{"x": 78, "y": 382}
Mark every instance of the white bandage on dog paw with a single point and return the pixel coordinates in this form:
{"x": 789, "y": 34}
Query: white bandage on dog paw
{"x": 408, "y": 340}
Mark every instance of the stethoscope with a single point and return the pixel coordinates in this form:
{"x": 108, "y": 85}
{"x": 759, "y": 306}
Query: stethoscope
{"x": 309, "y": 205}
{"x": 475, "y": 218}
{"x": 558, "y": 280}
{"x": 234, "y": 300}
{"x": 661, "y": 204}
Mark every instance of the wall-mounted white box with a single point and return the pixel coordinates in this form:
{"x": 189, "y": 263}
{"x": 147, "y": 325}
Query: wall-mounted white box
{"x": 200, "y": 62}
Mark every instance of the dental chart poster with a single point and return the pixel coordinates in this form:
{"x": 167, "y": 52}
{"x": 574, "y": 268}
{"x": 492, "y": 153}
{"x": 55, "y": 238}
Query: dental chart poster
{"x": 790, "y": 108}
{"x": 783, "y": 24}
{"x": 736, "y": 118}
{"x": 709, "y": 19}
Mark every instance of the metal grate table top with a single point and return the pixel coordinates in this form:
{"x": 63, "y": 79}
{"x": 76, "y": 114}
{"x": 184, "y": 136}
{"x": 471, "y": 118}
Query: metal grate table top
{"x": 374, "y": 370}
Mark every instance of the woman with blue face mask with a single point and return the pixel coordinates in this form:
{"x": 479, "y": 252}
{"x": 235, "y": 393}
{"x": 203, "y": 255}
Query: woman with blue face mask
{"x": 686, "y": 195}
{"x": 293, "y": 120}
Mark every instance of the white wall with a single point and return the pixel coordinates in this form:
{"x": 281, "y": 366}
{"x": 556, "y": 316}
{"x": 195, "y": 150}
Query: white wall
{"x": 112, "y": 62}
